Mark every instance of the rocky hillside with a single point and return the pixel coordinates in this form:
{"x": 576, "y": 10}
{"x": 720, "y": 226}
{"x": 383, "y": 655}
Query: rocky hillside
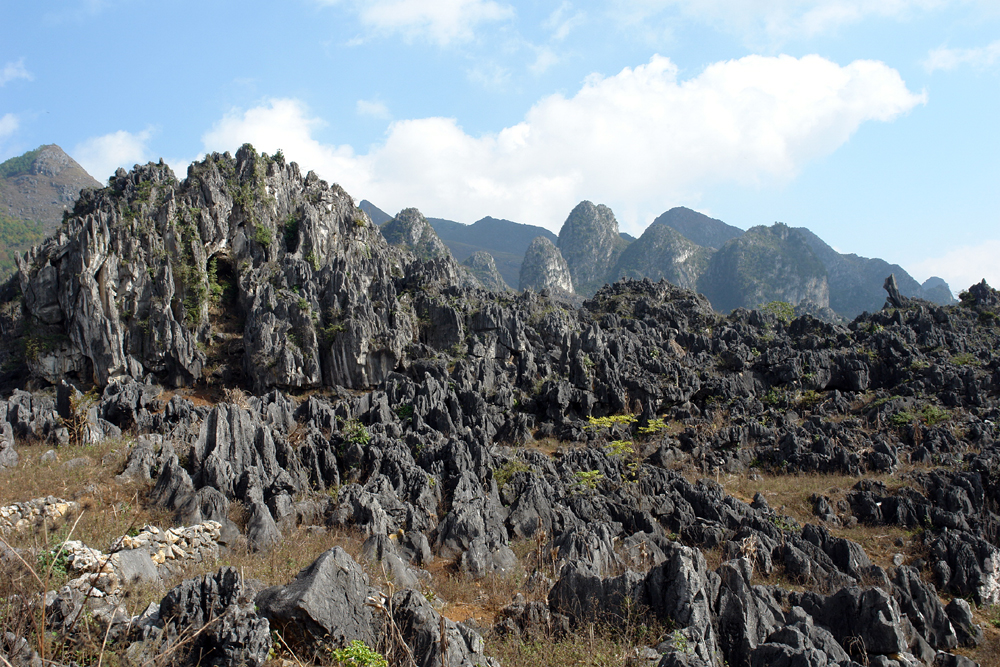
{"x": 35, "y": 190}
{"x": 41, "y": 185}
{"x": 633, "y": 463}
{"x": 765, "y": 264}
{"x": 663, "y": 253}
{"x": 698, "y": 227}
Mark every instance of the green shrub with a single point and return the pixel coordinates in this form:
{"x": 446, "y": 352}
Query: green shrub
{"x": 263, "y": 235}
{"x": 587, "y": 479}
{"x": 608, "y": 422}
{"x": 506, "y": 472}
{"x": 358, "y": 654}
{"x": 620, "y": 448}
{"x": 355, "y": 432}
{"x": 782, "y": 310}
{"x": 653, "y": 427}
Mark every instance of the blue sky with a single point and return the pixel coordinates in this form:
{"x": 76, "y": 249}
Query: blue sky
{"x": 875, "y": 124}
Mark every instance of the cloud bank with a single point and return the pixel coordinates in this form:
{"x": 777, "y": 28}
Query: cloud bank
{"x": 639, "y": 141}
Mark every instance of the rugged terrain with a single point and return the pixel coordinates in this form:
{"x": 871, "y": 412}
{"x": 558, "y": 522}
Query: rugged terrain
{"x": 468, "y": 475}
{"x": 35, "y": 190}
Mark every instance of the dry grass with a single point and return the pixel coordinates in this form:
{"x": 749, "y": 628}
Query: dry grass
{"x": 109, "y": 509}
{"x": 790, "y": 494}
{"x": 987, "y": 654}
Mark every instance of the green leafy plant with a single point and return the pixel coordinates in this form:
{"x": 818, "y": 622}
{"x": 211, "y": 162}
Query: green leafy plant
{"x": 405, "y": 411}
{"x": 620, "y": 448}
{"x": 610, "y": 421}
{"x": 587, "y": 479}
{"x": 653, "y": 427}
{"x": 355, "y": 432}
{"x": 262, "y": 235}
{"x": 782, "y": 310}
{"x": 506, "y": 472}
{"x": 358, "y": 654}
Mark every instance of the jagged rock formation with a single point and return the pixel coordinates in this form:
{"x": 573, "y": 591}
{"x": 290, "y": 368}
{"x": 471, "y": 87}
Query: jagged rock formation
{"x": 410, "y": 230}
{"x": 483, "y": 267}
{"x": 440, "y": 449}
{"x": 698, "y": 227}
{"x": 590, "y": 243}
{"x": 544, "y": 268}
{"x": 126, "y": 286}
{"x": 765, "y": 264}
{"x": 662, "y": 253}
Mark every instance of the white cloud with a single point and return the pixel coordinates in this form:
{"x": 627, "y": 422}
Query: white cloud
{"x": 965, "y": 266}
{"x": 545, "y": 59}
{"x": 101, "y": 156}
{"x": 948, "y": 59}
{"x": 777, "y": 20}
{"x": 8, "y": 125}
{"x": 373, "y": 109}
{"x": 490, "y": 76}
{"x": 441, "y": 21}
{"x": 14, "y": 70}
{"x": 639, "y": 141}
{"x": 563, "y": 20}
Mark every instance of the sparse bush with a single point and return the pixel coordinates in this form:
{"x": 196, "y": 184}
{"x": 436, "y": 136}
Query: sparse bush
{"x": 782, "y": 310}
{"x": 355, "y": 432}
{"x": 358, "y": 654}
{"x": 587, "y": 480}
{"x": 506, "y": 472}
{"x": 262, "y": 235}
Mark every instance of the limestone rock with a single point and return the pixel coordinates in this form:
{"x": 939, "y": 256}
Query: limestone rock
{"x": 590, "y": 243}
{"x": 544, "y": 268}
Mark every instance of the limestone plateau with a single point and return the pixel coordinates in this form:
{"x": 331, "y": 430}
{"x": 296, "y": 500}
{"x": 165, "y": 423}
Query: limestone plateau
{"x": 380, "y": 388}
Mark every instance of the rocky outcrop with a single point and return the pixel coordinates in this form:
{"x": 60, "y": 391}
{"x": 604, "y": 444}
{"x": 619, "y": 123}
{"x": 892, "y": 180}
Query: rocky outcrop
{"x": 483, "y": 267}
{"x": 765, "y": 264}
{"x": 591, "y": 245}
{"x": 544, "y": 268}
{"x": 410, "y": 230}
{"x": 662, "y": 253}
{"x": 126, "y": 287}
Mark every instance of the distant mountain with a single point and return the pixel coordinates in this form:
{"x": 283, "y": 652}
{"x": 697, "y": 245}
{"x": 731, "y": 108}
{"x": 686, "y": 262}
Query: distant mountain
{"x": 507, "y": 241}
{"x": 662, "y": 252}
{"x": 731, "y": 267}
{"x": 378, "y": 216}
{"x": 698, "y": 227}
{"x": 856, "y": 282}
{"x": 765, "y": 264}
{"x": 41, "y": 184}
{"x": 35, "y": 189}
{"x": 484, "y": 268}
{"x": 591, "y": 245}
{"x": 937, "y": 290}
